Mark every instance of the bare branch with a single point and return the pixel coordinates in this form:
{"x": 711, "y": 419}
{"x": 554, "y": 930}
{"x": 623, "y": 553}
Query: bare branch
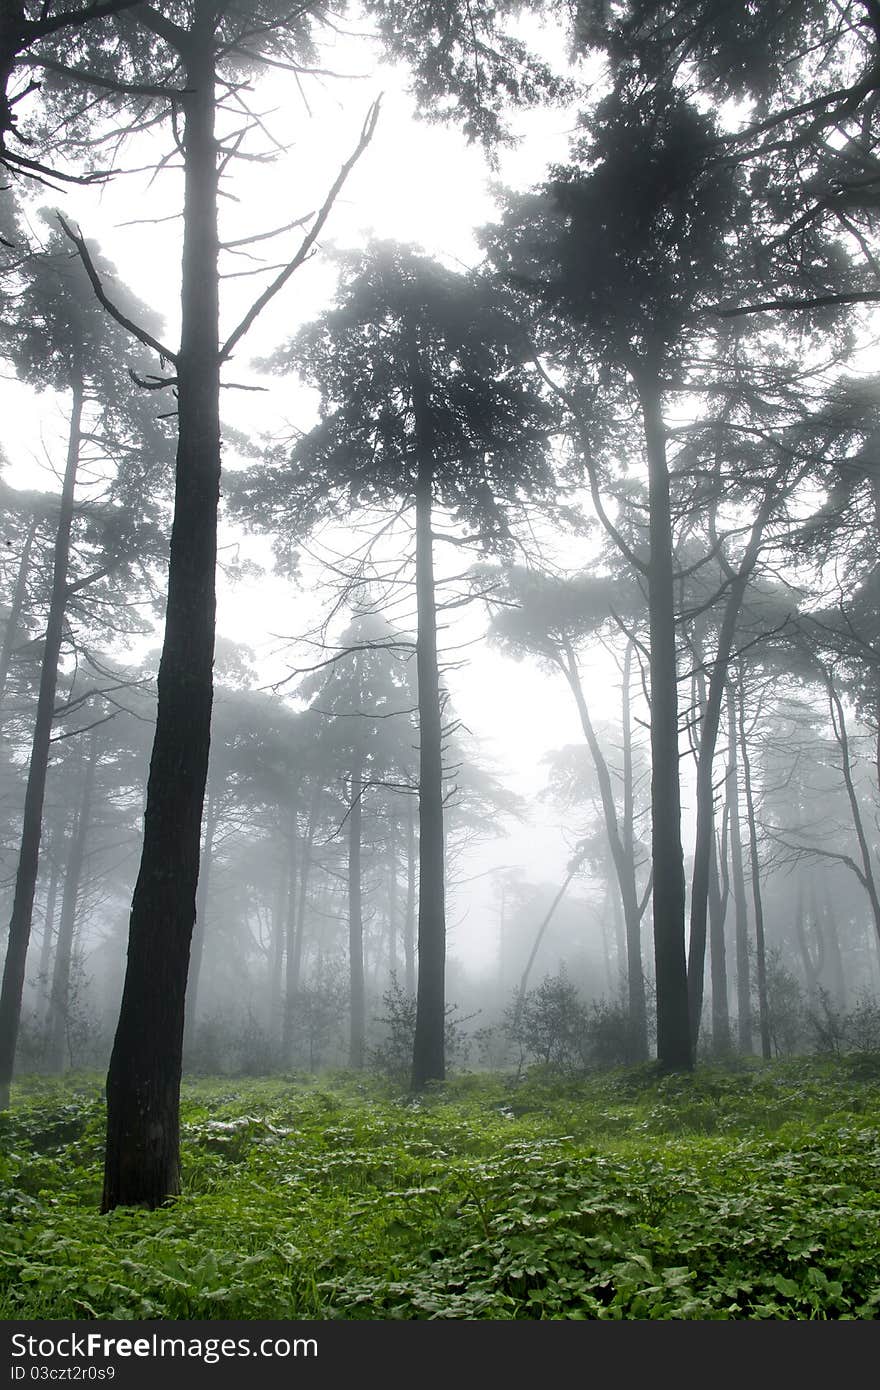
{"x": 140, "y": 333}
{"x": 309, "y": 240}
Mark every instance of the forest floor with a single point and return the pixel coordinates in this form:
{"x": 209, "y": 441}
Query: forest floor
{"x": 749, "y": 1193}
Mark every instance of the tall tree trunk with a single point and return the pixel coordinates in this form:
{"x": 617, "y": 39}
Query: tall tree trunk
{"x": 59, "y": 999}
{"x": 16, "y": 606}
{"x": 674, "y": 1051}
{"x": 864, "y": 871}
{"x": 622, "y": 845}
{"x": 198, "y": 938}
{"x": 355, "y": 920}
{"x": 429, "y": 1060}
{"x": 48, "y": 934}
{"x": 737, "y": 873}
{"x": 392, "y": 903}
{"x": 633, "y": 910}
{"x": 142, "y": 1164}
{"x": 705, "y": 833}
{"x": 297, "y": 925}
{"x": 29, "y": 854}
{"x": 409, "y": 916}
{"x": 276, "y": 966}
{"x": 757, "y": 900}
{"x": 832, "y": 942}
{"x": 718, "y": 962}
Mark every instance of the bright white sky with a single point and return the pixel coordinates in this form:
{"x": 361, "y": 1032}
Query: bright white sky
{"x": 415, "y": 183}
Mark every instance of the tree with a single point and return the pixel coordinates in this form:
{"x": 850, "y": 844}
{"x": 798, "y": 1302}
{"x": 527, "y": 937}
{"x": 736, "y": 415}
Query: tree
{"x": 366, "y": 700}
{"x": 550, "y": 618}
{"x": 61, "y": 340}
{"x": 616, "y": 256}
{"x": 425, "y": 403}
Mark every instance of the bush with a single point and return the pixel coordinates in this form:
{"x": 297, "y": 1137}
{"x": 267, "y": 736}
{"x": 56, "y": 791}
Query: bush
{"x": 550, "y": 1024}
{"x": 392, "y": 1056}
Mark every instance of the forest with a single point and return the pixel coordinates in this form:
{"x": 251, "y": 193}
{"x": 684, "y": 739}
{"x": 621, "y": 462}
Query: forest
{"x": 440, "y": 659}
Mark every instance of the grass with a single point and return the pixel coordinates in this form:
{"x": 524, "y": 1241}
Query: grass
{"x": 747, "y": 1194}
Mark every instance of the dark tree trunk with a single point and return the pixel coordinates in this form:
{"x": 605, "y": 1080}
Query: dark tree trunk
{"x": 738, "y": 879}
{"x": 142, "y": 1165}
{"x": 674, "y": 1051}
{"x": 356, "y": 921}
{"x": 757, "y": 900}
{"x": 198, "y": 939}
{"x": 409, "y": 918}
{"x": 59, "y": 999}
{"x": 29, "y": 854}
{"x": 429, "y": 1059}
{"x": 15, "y": 608}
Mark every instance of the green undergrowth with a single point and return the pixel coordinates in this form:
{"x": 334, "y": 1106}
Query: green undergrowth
{"x": 750, "y": 1193}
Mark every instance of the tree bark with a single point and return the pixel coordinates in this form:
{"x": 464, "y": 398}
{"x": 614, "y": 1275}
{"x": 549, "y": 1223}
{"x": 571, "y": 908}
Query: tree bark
{"x": 429, "y": 1059}
{"x": 59, "y": 999}
{"x": 737, "y": 873}
{"x": 48, "y": 933}
{"x": 757, "y": 900}
{"x": 409, "y": 918}
{"x": 29, "y": 854}
{"x": 674, "y": 1050}
{"x": 142, "y": 1165}
{"x": 718, "y": 962}
{"x": 355, "y": 921}
{"x": 16, "y": 606}
{"x": 198, "y": 938}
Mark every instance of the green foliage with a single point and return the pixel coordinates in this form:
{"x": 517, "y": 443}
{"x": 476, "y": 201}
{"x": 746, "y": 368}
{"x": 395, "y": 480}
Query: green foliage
{"x": 392, "y": 1055}
{"x": 752, "y": 1194}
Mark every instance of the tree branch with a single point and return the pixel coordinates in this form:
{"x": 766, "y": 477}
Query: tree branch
{"x": 280, "y": 280}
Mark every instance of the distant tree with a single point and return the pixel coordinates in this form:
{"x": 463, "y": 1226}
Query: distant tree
{"x": 60, "y": 339}
{"x": 551, "y": 618}
{"x": 425, "y": 403}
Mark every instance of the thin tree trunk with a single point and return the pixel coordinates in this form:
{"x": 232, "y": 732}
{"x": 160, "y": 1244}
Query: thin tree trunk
{"x": 295, "y": 869}
{"x": 674, "y": 1050}
{"x": 59, "y": 999}
{"x": 865, "y": 873}
{"x": 198, "y": 938}
{"x": 409, "y": 916}
{"x": 811, "y": 972}
{"x": 277, "y": 962}
{"x": 737, "y": 873}
{"x": 142, "y": 1164}
{"x": 48, "y": 934}
{"x": 29, "y": 854}
{"x": 16, "y": 606}
{"x": 633, "y": 910}
{"x": 622, "y": 854}
{"x": 429, "y": 1060}
{"x": 757, "y": 901}
{"x": 392, "y": 903}
{"x": 718, "y": 962}
{"x": 297, "y": 927}
{"x": 832, "y": 939}
{"x": 356, "y": 921}
{"x": 705, "y": 832}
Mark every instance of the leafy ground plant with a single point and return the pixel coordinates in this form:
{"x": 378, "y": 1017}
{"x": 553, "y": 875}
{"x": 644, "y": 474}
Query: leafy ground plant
{"x": 752, "y": 1194}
